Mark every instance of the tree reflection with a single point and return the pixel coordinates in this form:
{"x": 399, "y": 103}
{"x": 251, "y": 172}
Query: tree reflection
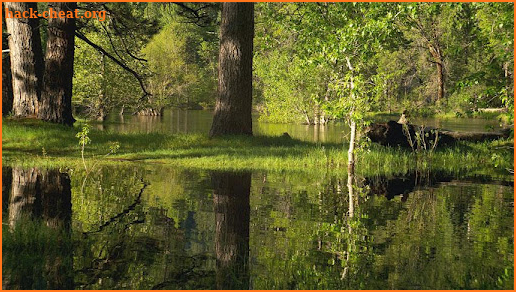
{"x": 37, "y": 249}
{"x": 232, "y": 214}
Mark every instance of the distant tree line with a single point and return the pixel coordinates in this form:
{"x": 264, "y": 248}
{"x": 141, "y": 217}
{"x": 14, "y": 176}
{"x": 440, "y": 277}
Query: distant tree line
{"x": 295, "y": 62}
{"x": 421, "y": 57}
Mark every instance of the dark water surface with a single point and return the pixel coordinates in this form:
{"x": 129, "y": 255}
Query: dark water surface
{"x": 199, "y": 121}
{"x": 159, "y": 227}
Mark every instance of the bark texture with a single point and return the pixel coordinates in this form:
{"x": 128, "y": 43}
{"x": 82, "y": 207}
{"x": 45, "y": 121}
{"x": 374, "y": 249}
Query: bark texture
{"x": 26, "y": 60}
{"x": 7, "y": 80}
{"x": 56, "y": 100}
{"x": 232, "y": 214}
{"x": 234, "y": 101}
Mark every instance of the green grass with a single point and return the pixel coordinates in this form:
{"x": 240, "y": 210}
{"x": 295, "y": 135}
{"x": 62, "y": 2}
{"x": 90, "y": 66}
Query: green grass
{"x": 34, "y": 143}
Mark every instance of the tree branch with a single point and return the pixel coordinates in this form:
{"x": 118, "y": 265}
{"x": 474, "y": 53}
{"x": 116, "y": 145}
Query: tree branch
{"x": 118, "y": 62}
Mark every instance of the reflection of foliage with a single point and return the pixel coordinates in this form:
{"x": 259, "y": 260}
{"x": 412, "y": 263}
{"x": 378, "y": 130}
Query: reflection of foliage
{"x": 128, "y": 239}
{"x": 430, "y": 250}
{"x": 453, "y": 235}
{"x": 35, "y": 256}
{"x": 421, "y": 243}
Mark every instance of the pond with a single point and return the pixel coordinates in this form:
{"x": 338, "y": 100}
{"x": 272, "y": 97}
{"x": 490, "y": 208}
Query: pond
{"x": 148, "y": 226}
{"x": 199, "y": 121}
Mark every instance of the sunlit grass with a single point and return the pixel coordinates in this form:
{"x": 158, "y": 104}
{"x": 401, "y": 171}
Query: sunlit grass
{"x": 33, "y": 143}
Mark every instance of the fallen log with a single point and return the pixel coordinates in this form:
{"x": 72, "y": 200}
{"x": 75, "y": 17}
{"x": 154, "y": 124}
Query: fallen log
{"x": 417, "y": 137}
{"x": 477, "y": 136}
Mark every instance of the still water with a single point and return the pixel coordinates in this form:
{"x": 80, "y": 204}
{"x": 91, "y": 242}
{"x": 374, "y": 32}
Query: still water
{"x": 199, "y": 121}
{"x": 160, "y": 227}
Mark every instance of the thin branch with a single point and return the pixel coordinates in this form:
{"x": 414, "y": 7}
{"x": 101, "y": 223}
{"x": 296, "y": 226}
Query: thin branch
{"x": 198, "y": 16}
{"x": 122, "y": 39}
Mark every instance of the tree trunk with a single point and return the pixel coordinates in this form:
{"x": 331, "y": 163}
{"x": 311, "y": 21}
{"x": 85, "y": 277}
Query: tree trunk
{"x": 7, "y": 80}
{"x": 440, "y": 82}
{"x": 436, "y": 53}
{"x": 100, "y": 104}
{"x": 352, "y": 124}
{"x": 26, "y": 59}
{"x": 56, "y": 101}
{"x": 234, "y": 102}
{"x": 351, "y": 150}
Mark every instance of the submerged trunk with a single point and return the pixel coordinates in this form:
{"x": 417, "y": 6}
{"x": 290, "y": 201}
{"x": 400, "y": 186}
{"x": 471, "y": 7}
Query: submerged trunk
{"x": 26, "y": 59}
{"x": 56, "y": 105}
{"x": 232, "y": 215}
{"x": 234, "y": 101}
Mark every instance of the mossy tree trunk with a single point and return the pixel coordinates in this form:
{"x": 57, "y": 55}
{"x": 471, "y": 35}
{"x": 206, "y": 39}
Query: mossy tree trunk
{"x": 234, "y": 101}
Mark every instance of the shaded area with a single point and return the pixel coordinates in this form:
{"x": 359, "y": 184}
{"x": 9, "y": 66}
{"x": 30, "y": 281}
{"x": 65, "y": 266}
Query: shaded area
{"x": 37, "y": 246}
{"x": 403, "y": 185}
{"x": 231, "y": 202}
{"x": 420, "y": 137}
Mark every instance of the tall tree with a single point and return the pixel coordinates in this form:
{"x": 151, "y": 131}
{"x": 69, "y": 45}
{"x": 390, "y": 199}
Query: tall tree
{"x": 26, "y": 58}
{"x": 7, "y": 80}
{"x": 425, "y": 23}
{"x": 56, "y": 100}
{"x": 234, "y": 101}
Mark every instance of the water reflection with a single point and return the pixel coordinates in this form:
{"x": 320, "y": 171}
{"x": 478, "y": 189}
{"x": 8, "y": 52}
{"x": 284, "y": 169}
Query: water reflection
{"x": 159, "y": 227}
{"x": 199, "y": 121}
{"x": 403, "y": 185}
{"x": 37, "y": 251}
{"x": 232, "y": 214}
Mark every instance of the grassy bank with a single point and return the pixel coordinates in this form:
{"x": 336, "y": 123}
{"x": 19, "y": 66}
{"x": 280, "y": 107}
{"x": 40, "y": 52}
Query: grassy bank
{"x": 33, "y": 143}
